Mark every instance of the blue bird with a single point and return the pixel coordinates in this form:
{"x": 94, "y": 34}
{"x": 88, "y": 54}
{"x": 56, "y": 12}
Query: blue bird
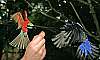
{"x": 72, "y": 34}
{"x": 85, "y": 47}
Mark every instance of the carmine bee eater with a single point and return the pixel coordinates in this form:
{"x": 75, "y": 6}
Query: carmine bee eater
{"x": 74, "y": 35}
{"x": 22, "y": 40}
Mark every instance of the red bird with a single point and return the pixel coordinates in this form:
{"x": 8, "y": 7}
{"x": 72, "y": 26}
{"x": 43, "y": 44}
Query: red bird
{"x": 22, "y": 40}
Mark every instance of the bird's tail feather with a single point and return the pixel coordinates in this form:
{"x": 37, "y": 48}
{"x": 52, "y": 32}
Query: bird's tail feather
{"x": 21, "y": 41}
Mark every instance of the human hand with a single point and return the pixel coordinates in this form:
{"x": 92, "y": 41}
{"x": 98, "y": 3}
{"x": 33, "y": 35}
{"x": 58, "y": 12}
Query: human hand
{"x": 36, "y": 48}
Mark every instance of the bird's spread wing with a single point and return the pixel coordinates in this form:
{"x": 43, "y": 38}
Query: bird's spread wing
{"x": 70, "y": 35}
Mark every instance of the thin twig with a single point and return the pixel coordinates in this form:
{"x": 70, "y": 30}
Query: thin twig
{"x": 53, "y": 8}
{"x": 95, "y": 1}
{"x": 61, "y": 15}
{"x": 94, "y": 16}
{"x": 82, "y": 22}
{"x": 43, "y": 27}
{"x": 81, "y": 1}
{"x": 52, "y": 29}
{"x": 51, "y": 17}
{"x": 29, "y": 4}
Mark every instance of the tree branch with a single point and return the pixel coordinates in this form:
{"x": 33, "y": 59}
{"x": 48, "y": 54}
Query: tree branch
{"x": 61, "y": 15}
{"x": 82, "y": 22}
{"x": 81, "y": 1}
{"x": 51, "y": 17}
{"x": 53, "y": 8}
{"x": 94, "y": 16}
{"x": 29, "y": 4}
{"x": 52, "y": 29}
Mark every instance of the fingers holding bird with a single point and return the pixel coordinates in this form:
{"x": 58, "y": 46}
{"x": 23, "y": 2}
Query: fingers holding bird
{"x": 36, "y": 48}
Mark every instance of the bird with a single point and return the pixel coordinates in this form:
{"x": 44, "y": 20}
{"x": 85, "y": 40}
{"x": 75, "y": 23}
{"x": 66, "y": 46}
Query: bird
{"x": 73, "y": 34}
{"x": 22, "y": 40}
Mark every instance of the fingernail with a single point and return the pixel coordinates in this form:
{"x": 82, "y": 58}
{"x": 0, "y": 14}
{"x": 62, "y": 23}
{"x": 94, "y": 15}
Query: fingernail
{"x": 42, "y": 33}
{"x": 44, "y": 40}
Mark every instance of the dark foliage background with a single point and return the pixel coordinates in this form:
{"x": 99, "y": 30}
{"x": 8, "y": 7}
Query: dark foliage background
{"x": 48, "y": 16}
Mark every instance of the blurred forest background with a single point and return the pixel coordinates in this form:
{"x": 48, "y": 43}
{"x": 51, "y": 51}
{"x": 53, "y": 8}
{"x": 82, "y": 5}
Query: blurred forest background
{"x": 47, "y": 16}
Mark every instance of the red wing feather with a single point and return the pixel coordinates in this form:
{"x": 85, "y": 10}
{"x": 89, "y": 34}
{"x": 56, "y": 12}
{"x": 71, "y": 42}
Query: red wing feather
{"x": 18, "y": 18}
